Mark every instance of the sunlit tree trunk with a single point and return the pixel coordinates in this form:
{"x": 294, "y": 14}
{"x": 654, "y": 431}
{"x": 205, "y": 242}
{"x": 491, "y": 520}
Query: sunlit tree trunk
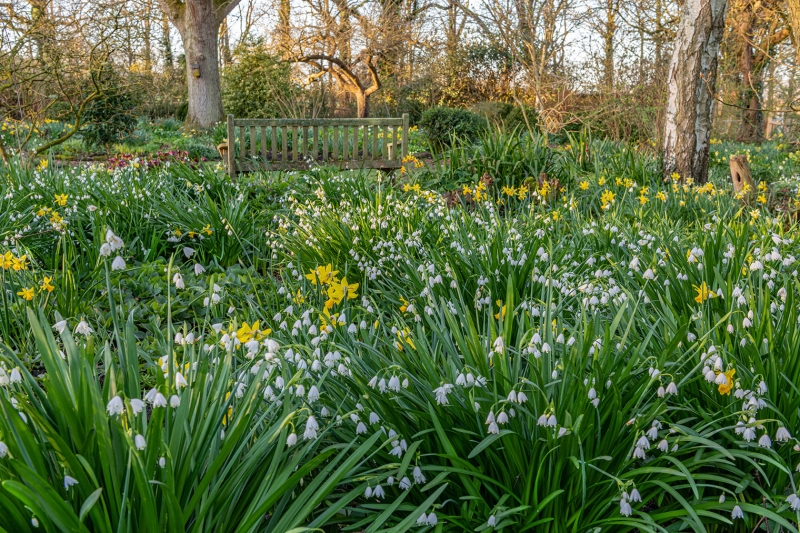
{"x": 691, "y": 83}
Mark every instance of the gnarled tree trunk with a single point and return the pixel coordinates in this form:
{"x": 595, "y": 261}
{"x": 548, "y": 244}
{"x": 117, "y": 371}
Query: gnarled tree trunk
{"x": 690, "y": 89}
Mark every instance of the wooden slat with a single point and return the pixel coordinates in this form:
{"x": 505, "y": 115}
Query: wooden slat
{"x": 325, "y": 139}
{"x": 314, "y": 144}
{"x": 231, "y": 149}
{"x": 385, "y": 144}
{"x": 318, "y": 122}
{"x": 365, "y": 143}
{"x": 274, "y": 143}
{"x": 253, "y": 148}
{"x": 352, "y": 151}
{"x": 395, "y": 136}
{"x": 336, "y": 143}
{"x": 242, "y": 144}
{"x": 375, "y": 154}
{"x": 285, "y": 141}
{"x": 296, "y": 144}
{"x": 405, "y": 135}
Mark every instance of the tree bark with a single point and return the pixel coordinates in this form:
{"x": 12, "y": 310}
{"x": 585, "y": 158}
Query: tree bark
{"x": 225, "y": 42}
{"x": 165, "y": 40}
{"x": 148, "y": 34}
{"x": 198, "y": 23}
{"x": 362, "y": 104}
{"x": 741, "y": 176}
{"x": 794, "y": 18}
{"x": 690, "y": 89}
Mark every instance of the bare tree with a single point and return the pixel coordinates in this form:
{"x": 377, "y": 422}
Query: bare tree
{"x": 690, "y": 89}
{"x": 335, "y": 28}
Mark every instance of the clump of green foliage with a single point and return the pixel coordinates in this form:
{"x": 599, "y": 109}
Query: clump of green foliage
{"x": 253, "y": 83}
{"x": 444, "y": 124}
{"x": 109, "y": 118}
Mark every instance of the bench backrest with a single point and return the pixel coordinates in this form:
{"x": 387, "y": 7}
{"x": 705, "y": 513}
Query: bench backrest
{"x": 286, "y": 143}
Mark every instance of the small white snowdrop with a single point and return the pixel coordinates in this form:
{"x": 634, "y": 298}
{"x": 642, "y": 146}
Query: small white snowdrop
{"x": 115, "y": 406}
{"x": 137, "y": 406}
{"x": 83, "y": 328}
{"x": 69, "y": 481}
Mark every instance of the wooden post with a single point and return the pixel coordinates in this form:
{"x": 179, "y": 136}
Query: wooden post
{"x": 231, "y": 149}
{"x": 405, "y": 135}
{"x": 741, "y": 176}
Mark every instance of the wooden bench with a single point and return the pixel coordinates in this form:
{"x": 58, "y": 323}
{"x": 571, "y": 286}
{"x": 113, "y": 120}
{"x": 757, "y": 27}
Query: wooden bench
{"x": 288, "y": 143}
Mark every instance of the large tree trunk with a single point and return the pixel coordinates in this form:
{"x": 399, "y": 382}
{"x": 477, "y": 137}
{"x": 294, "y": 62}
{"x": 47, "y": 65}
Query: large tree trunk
{"x": 690, "y": 89}
{"x": 198, "y": 23}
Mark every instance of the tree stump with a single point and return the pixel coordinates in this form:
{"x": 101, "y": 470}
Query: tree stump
{"x": 743, "y": 185}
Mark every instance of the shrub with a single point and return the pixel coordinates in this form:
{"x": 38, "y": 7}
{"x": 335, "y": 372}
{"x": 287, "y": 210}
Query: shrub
{"x": 442, "y": 124}
{"x": 109, "y": 118}
{"x": 252, "y": 85}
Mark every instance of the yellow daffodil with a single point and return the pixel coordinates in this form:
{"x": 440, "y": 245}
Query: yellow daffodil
{"x": 338, "y": 291}
{"x": 703, "y": 293}
{"x": 404, "y": 306}
{"x": 229, "y": 414}
{"x": 725, "y": 388}
{"x": 19, "y": 263}
{"x": 404, "y": 336}
{"x": 26, "y": 293}
{"x": 584, "y": 185}
{"x": 246, "y": 333}
{"x": 7, "y": 260}
{"x": 46, "y": 285}
{"x": 322, "y": 274}
{"x": 61, "y": 199}
{"x": 606, "y": 199}
{"x": 502, "y": 310}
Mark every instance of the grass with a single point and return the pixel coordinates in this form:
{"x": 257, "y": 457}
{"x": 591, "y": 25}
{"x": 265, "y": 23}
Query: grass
{"x": 430, "y": 352}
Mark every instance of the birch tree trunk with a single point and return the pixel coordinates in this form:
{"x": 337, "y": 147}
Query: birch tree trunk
{"x": 691, "y": 81}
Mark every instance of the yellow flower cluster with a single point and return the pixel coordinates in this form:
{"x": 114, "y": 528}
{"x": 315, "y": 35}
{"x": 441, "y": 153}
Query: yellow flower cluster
{"x": 337, "y": 290}
{"x": 410, "y": 160}
{"x": 520, "y": 193}
{"x": 606, "y": 199}
{"x": 11, "y": 262}
{"x": 194, "y": 233}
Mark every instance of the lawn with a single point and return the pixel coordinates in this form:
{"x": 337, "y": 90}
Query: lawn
{"x": 522, "y": 336}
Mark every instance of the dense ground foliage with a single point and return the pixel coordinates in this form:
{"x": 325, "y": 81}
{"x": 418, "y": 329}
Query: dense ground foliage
{"x": 463, "y": 347}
